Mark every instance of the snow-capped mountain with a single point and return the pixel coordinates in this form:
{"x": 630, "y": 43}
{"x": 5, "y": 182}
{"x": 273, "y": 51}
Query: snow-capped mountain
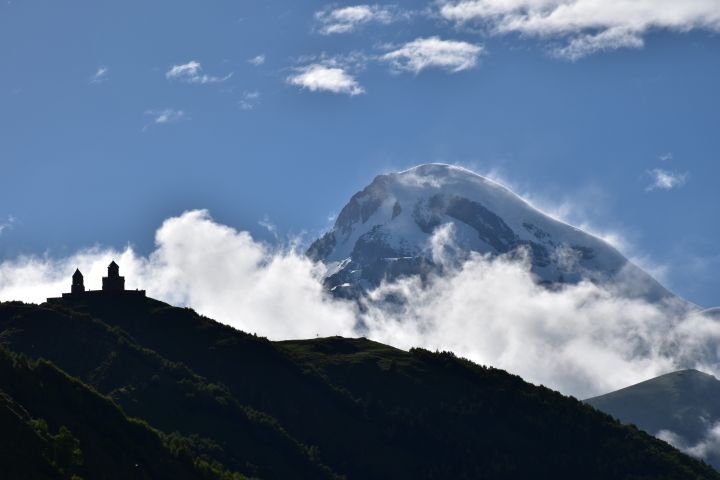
{"x": 386, "y": 231}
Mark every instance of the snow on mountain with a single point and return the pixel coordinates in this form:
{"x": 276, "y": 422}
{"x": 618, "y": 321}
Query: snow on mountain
{"x": 385, "y": 231}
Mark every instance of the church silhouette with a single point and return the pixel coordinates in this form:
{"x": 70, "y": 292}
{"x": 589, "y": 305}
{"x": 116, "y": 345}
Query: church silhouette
{"x": 112, "y": 285}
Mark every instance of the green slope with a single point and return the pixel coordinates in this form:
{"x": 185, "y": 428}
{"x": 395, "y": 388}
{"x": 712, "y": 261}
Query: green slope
{"x": 329, "y": 407}
{"x": 166, "y": 394}
{"x": 54, "y": 426}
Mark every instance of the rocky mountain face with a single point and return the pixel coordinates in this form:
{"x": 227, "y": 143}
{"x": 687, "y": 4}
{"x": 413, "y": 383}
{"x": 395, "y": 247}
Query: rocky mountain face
{"x": 392, "y": 228}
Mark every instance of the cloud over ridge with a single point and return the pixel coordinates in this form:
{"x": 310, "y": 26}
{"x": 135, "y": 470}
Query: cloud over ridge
{"x": 581, "y": 339}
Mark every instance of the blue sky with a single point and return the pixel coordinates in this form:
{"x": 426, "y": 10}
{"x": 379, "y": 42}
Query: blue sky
{"x": 117, "y": 115}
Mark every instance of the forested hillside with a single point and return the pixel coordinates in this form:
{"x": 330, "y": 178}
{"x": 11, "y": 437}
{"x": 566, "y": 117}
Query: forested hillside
{"x": 134, "y": 385}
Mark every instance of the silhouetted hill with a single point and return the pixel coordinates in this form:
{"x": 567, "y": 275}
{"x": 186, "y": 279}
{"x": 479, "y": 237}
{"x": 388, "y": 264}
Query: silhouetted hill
{"x": 316, "y": 408}
{"x": 683, "y": 402}
{"x": 167, "y": 394}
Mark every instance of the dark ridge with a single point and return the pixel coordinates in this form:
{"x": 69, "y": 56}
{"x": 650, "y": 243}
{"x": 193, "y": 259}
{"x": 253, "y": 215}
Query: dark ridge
{"x": 319, "y": 408}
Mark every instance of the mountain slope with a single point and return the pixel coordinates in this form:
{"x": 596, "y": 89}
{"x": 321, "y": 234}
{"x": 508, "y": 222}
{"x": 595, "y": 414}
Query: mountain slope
{"x": 686, "y": 403}
{"x": 355, "y": 407}
{"x": 385, "y": 231}
{"x": 93, "y": 438}
{"x": 167, "y": 394}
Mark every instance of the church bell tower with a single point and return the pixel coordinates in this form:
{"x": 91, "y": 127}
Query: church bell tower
{"x": 78, "y": 283}
{"x": 113, "y": 282}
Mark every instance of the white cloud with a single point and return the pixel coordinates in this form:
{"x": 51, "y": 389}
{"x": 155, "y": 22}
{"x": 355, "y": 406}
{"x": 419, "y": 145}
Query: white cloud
{"x": 100, "y": 75}
{"x": 319, "y": 77}
{"x": 219, "y": 271}
{"x": 257, "y": 60}
{"x": 433, "y": 52}
{"x": 249, "y": 100}
{"x": 165, "y": 116}
{"x": 665, "y": 179}
{"x": 581, "y": 339}
{"x": 192, "y": 72}
{"x": 347, "y": 19}
{"x": 707, "y": 447}
{"x": 588, "y": 25}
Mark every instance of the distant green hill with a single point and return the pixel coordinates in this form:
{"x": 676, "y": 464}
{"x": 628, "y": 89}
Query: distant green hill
{"x": 212, "y": 400}
{"x": 686, "y": 403}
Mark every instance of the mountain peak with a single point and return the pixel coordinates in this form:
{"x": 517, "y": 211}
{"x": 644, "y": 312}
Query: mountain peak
{"x": 443, "y": 175}
{"x": 437, "y": 169}
{"x": 385, "y": 231}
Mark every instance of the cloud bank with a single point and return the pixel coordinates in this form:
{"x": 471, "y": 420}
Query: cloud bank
{"x": 580, "y": 339}
{"x": 587, "y": 26}
{"x": 219, "y": 271}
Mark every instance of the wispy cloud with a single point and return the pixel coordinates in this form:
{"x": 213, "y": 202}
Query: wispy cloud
{"x": 609, "y": 39}
{"x": 269, "y": 226}
{"x": 257, "y": 60}
{"x": 165, "y": 116}
{"x": 100, "y": 75}
{"x": 192, "y": 72}
{"x": 7, "y": 224}
{"x": 588, "y": 26}
{"x": 433, "y": 52}
{"x": 249, "y": 100}
{"x": 318, "y": 77}
{"x": 347, "y": 19}
{"x": 665, "y": 179}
